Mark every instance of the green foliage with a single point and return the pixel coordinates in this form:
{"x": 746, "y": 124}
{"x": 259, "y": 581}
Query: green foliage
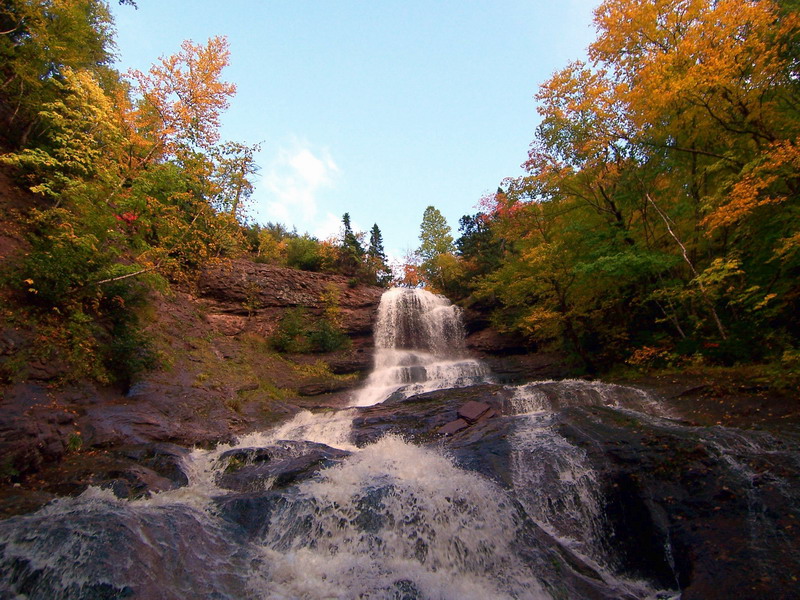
{"x": 8, "y": 472}
{"x": 74, "y": 442}
{"x": 477, "y": 245}
{"x": 274, "y": 244}
{"x": 69, "y": 289}
{"x": 375, "y": 249}
{"x": 234, "y": 165}
{"x": 439, "y": 267}
{"x": 77, "y": 145}
{"x": 129, "y": 351}
{"x": 299, "y": 332}
{"x": 135, "y": 189}
{"x": 303, "y": 253}
{"x": 351, "y": 253}
{"x": 434, "y": 235}
{"x": 40, "y": 41}
{"x": 291, "y": 334}
{"x": 61, "y": 261}
{"x": 784, "y": 373}
{"x": 327, "y": 337}
{"x": 377, "y": 267}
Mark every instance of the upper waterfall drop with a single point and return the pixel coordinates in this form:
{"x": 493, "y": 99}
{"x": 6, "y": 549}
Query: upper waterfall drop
{"x": 419, "y": 347}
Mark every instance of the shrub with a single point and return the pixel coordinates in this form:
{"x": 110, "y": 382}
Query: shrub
{"x": 303, "y": 253}
{"x": 328, "y": 337}
{"x": 66, "y": 284}
{"x": 298, "y": 333}
{"x": 292, "y": 332}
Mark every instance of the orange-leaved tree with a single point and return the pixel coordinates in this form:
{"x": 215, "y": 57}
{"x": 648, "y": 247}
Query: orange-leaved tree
{"x": 665, "y": 175}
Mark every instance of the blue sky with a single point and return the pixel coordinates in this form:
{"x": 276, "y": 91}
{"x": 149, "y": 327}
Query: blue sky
{"x": 378, "y": 108}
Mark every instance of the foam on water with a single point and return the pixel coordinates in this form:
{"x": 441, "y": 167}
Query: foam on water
{"x": 397, "y": 516}
{"x": 419, "y": 347}
{"x": 97, "y": 546}
{"x": 549, "y": 396}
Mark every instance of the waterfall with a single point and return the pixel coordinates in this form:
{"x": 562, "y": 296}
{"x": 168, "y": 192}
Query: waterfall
{"x": 419, "y": 347}
{"x": 518, "y": 506}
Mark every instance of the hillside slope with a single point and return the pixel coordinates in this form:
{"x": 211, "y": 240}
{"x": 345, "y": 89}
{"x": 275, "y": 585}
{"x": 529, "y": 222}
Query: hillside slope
{"x": 218, "y": 377}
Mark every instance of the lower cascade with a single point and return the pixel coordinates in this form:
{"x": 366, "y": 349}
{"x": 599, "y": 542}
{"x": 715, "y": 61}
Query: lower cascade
{"x": 540, "y": 496}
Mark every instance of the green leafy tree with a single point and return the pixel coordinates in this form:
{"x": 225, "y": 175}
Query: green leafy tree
{"x": 303, "y": 253}
{"x": 39, "y": 39}
{"x": 436, "y": 242}
{"x": 477, "y": 246}
{"x": 234, "y": 167}
{"x": 434, "y": 235}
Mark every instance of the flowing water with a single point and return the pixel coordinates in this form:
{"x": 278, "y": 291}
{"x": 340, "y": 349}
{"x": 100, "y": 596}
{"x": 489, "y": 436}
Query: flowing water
{"x": 419, "y": 347}
{"x": 391, "y": 520}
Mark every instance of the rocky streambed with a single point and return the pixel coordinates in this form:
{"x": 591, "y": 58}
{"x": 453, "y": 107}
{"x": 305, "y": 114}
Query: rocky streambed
{"x": 605, "y": 497}
{"x": 683, "y": 485}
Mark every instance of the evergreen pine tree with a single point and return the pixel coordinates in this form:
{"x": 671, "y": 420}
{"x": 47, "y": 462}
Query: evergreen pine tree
{"x": 376, "y": 257}
{"x": 351, "y": 251}
{"x": 376, "y": 244}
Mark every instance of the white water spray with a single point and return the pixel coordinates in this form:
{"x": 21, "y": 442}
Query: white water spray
{"x": 393, "y": 521}
{"x": 419, "y": 347}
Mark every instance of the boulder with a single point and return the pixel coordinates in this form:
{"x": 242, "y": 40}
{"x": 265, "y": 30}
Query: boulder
{"x": 420, "y": 419}
{"x": 289, "y": 462}
{"x": 163, "y": 458}
{"x": 100, "y": 548}
{"x": 252, "y": 511}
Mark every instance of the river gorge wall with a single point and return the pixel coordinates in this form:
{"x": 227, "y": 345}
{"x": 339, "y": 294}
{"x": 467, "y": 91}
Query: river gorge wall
{"x": 218, "y": 377}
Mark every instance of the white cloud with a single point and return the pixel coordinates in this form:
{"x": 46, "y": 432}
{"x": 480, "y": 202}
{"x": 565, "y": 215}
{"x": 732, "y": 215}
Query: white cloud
{"x": 312, "y": 170}
{"x": 329, "y": 226}
{"x": 292, "y": 182}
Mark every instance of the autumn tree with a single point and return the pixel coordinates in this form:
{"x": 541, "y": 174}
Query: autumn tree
{"x": 39, "y": 40}
{"x": 660, "y": 203}
{"x": 135, "y": 185}
{"x": 409, "y": 271}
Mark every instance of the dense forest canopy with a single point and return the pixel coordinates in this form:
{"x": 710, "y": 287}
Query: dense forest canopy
{"x": 658, "y": 220}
